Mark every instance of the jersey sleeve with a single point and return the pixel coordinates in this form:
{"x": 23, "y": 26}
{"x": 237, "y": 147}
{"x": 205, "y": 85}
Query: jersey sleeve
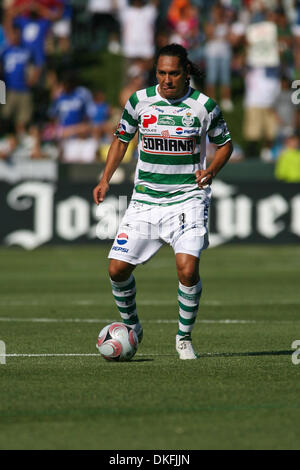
{"x": 217, "y": 128}
{"x": 129, "y": 120}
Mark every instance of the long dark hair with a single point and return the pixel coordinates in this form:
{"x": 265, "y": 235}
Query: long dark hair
{"x": 176, "y": 50}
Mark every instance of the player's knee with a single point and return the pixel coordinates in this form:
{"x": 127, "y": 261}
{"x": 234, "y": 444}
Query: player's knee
{"x": 119, "y": 271}
{"x": 188, "y": 276}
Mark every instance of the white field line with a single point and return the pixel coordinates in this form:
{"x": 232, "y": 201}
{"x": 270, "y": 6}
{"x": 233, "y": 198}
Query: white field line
{"x": 74, "y": 355}
{"x": 107, "y": 303}
{"x": 156, "y": 321}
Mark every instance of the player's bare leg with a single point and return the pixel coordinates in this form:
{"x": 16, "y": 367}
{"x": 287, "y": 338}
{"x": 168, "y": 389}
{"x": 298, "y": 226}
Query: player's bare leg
{"x": 119, "y": 271}
{"x": 124, "y": 291}
{"x": 189, "y": 293}
{"x": 187, "y": 269}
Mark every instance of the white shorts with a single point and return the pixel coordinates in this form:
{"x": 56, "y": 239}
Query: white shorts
{"x": 145, "y": 228}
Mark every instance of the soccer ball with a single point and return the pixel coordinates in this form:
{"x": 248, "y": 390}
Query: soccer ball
{"x": 117, "y": 342}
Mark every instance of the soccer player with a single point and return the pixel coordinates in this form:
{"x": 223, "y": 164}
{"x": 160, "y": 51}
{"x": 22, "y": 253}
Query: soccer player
{"x": 172, "y": 186}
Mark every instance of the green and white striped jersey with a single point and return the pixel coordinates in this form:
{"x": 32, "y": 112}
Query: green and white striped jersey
{"x": 171, "y": 142}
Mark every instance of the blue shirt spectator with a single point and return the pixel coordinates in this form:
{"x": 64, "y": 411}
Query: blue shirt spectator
{"x": 2, "y": 38}
{"x": 101, "y": 111}
{"x": 67, "y": 9}
{"x": 15, "y": 60}
{"x": 72, "y": 107}
{"x": 34, "y": 33}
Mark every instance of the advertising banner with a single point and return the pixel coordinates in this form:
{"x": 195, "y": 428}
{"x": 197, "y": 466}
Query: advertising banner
{"x": 36, "y": 213}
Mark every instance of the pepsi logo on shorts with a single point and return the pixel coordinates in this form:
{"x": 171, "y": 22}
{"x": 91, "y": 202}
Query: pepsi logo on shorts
{"x": 122, "y": 238}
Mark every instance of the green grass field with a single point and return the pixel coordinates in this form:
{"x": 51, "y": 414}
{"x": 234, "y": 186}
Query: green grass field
{"x": 242, "y": 393}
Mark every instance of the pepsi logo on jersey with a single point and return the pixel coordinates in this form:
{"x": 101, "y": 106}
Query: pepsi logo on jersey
{"x": 121, "y": 129}
{"x": 122, "y": 239}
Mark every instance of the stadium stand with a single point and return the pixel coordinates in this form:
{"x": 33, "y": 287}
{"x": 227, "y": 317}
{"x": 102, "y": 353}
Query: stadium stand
{"x": 89, "y": 37}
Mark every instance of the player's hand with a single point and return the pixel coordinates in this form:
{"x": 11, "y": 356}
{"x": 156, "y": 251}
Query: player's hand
{"x": 203, "y": 178}
{"x": 100, "y": 191}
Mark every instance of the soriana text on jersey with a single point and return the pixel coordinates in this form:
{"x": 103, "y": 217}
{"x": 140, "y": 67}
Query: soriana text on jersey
{"x": 179, "y": 145}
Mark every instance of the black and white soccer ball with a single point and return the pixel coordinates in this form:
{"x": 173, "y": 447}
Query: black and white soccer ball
{"x": 117, "y": 342}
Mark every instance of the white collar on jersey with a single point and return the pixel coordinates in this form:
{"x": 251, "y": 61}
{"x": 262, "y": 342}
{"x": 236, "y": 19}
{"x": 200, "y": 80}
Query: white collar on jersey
{"x": 177, "y": 99}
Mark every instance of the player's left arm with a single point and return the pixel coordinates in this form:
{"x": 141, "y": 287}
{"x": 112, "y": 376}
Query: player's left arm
{"x": 222, "y": 155}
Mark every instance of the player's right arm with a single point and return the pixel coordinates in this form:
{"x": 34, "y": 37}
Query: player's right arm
{"x": 115, "y": 155}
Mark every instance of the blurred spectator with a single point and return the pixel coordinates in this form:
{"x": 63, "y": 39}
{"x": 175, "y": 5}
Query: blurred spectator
{"x": 136, "y": 81}
{"x": 62, "y": 28}
{"x": 73, "y": 111}
{"x": 287, "y": 166}
{"x": 33, "y": 142}
{"x": 288, "y": 113}
{"x": 72, "y": 107}
{"x": 2, "y": 33}
{"x": 286, "y": 110}
{"x": 174, "y": 14}
{"x": 218, "y": 54}
{"x": 162, "y": 37}
{"x": 262, "y": 41}
{"x": 28, "y": 145}
{"x": 7, "y": 3}
{"x": 285, "y": 42}
{"x": 138, "y": 31}
{"x": 2, "y": 38}
{"x": 27, "y": 4}
{"x": 80, "y": 149}
{"x": 8, "y": 141}
{"x": 222, "y": 35}
{"x": 237, "y": 41}
{"x": 15, "y": 60}
{"x": 262, "y": 88}
{"x": 101, "y": 115}
{"x": 296, "y": 39}
{"x": 34, "y": 20}
{"x": 262, "y": 81}
{"x": 183, "y": 18}
{"x": 105, "y": 26}
{"x": 53, "y": 84}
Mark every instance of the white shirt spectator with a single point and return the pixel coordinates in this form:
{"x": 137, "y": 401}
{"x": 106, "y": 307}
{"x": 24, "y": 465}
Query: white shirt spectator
{"x": 219, "y": 46}
{"x": 100, "y": 6}
{"x": 137, "y": 26}
{"x": 105, "y": 6}
{"x": 77, "y": 150}
{"x": 263, "y": 50}
{"x": 262, "y": 90}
